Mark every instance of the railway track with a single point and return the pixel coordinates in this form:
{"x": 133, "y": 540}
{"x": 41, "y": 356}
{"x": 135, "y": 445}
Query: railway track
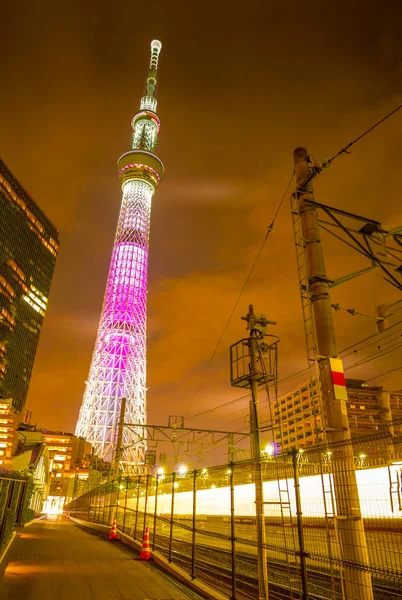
{"x": 213, "y": 565}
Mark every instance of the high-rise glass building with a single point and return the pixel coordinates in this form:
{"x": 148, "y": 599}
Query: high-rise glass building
{"x": 118, "y": 368}
{"x": 28, "y": 250}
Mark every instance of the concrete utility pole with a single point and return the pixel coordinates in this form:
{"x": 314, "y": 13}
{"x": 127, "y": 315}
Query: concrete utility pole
{"x": 252, "y": 320}
{"x": 349, "y": 522}
{"x": 118, "y": 452}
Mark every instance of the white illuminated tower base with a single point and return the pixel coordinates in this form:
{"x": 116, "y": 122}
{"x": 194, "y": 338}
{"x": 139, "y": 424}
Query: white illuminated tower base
{"x": 118, "y": 368}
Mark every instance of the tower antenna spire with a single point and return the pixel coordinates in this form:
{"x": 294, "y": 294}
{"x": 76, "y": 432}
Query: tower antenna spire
{"x": 156, "y": 46}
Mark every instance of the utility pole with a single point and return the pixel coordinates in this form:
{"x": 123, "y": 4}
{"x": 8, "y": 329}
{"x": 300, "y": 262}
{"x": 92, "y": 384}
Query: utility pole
{"x": 252, "y": 321}
{"x": 118, "y": 452}
{"x": 349, "y": 521}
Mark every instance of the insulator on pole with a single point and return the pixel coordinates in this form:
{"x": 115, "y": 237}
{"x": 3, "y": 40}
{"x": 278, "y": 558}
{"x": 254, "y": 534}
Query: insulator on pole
{"x": 381, "y": 312}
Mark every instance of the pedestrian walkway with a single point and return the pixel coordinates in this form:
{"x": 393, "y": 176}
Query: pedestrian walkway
{"x": 53, "y": 559}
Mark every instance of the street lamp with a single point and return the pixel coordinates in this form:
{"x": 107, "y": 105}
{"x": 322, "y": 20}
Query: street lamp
{"x": 160, "y": 473}
{"x": 268, "y": 450}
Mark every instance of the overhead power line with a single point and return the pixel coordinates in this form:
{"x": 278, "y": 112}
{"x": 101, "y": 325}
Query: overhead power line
{"x": 386, "y": 373}
{"x": 345, "y": 150}
{"x": 212, "y": 410}
{"x": 269, "y": 229}
{"x": 375, "y": 356}
{"x": 375, "y": 338}
{"x": 349, "y": 350}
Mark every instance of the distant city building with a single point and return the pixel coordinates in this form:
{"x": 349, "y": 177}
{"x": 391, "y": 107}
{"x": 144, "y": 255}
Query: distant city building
{"x": 68, "y": 467}
{"x": 28, "y": 251}
{"x": 118, "y": 368}
{"x": 8, "y": 439}
{"x": 370, "y": 411}
{"x": 66, "y": 451}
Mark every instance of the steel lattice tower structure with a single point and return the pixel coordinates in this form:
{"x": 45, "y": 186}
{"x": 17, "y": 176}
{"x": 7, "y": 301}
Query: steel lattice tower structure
{"x": 118, "y": 368}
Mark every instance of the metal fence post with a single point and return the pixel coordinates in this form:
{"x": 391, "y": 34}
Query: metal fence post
{"x": 97, "y": 504}
{"x": 125, "y": 506}
{"x": 104, "y": 503}
{"x": 118, "y": 498}
{"x": 155, "y": 511}
{"x": 136, "y": 508}
{"x": 23, "y": 487}
{"x": 302, "y": 554}
{"x": 232, "y": 532}
{"x": 194, "y": 524}
{"x": 89, "y": 509}
{"x": 145, "y": 505}
{"x": 111, "y": 495}
{"x": 171, "y": 519}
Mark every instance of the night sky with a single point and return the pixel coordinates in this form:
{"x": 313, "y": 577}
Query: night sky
{"x": 240, "y": 85}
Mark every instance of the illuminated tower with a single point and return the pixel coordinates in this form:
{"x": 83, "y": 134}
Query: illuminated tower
{"x": 118, "y": 368}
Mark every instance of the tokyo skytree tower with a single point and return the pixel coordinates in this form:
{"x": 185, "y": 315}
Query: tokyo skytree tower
{"x": 118, "y": 368}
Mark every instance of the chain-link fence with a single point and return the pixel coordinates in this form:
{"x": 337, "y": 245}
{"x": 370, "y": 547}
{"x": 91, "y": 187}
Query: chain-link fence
{"x": 320, "y": 540}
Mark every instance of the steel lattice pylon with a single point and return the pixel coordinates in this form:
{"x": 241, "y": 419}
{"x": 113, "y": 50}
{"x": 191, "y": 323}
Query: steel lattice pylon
{"x": 118, "y": 368}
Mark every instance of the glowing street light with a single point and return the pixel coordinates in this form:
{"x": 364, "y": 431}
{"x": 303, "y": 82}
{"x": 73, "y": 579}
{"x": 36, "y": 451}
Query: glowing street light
{"x": 160, "y": 473}
{"x": 269, "y": 450}
{"x": 182, "y": 470}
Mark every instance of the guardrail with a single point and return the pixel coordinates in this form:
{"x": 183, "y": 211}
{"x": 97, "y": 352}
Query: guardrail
{"x": 14, "y": 494}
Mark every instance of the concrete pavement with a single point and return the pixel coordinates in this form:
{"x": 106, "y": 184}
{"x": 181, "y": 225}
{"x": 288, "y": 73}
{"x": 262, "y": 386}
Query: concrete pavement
{"x": 53, "y": 559}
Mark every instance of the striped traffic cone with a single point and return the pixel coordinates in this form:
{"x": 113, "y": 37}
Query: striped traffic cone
{"x": 113, "y": 531}
{"x": 145, "y": 553}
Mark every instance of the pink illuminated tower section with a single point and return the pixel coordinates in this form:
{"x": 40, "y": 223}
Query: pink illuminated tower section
{"x": 118, "y": 368}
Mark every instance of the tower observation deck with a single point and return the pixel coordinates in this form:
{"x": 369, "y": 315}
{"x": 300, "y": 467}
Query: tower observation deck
{"x": 118, "y": 367}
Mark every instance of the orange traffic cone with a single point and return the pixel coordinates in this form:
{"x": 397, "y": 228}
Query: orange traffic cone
{"x": 113, "y": 531}
{"x": 145, "y": 553}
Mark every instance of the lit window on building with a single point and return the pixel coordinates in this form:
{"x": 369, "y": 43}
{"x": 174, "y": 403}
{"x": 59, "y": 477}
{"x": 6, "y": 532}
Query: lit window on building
{"x": 16, "y": 269}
